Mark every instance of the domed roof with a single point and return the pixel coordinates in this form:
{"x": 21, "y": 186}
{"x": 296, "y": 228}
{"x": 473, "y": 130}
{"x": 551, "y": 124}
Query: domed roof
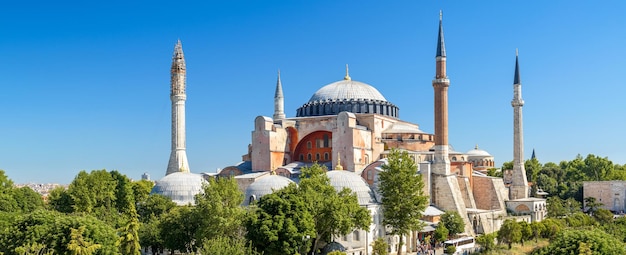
{"x": 478, "y": 152}
{"x": 340, "y": 179}
{"x": 347, "y": 89}
{"x": 266, "y": 185}
{"x": 181, "y": 187}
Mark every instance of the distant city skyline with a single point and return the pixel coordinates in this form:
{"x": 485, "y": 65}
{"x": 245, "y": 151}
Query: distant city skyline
{"x": 86, "y": 85}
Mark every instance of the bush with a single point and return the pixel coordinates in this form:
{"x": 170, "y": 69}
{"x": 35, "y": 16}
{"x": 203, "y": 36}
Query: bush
{"x": 450, "y": 249}
{"x": 379, "y": 247}
{"x": 487, "y": 241}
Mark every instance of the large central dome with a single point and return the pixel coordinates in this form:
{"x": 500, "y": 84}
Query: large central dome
{"x": 346, "y": 90}
{"x": 347, "y": 95}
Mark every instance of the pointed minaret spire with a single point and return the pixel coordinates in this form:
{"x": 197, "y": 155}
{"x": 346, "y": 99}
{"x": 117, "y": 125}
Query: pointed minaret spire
{"x": 516, "y": 79}
{"x": 347, "y": 77}
{"x": 519, "y": 183}
{"x": 178, "y": 156}
{"x": 441, "y": 47}
{"x": 533, "y": 155}
{"x": 279, "y": 101}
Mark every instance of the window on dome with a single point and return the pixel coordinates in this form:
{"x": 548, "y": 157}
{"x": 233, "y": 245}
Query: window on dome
{"x": 319, "y": 143}
{"x": 308, "y": 145}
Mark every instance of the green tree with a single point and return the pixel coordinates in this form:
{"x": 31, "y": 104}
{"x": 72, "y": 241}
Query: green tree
{"x": 537, "y": 228}
{"x": 34, "y": 249}
{"x": 60, "y": 200}
{"x": 453, "y": 222}
{"x": 552, "y": 227}
{"x": 281, "y": 222}
{"x": 141, "y": 190}
{"x": 226, "y": 246}
{"x": 53, "y": 230}
{"x": 575, "y": 241}
{"x": 380, "y": 247}
{"x": 178, "y": 228}
{"x": 486, "y": 241}
{"x": 592, "y": 205}
{"x": 27, "y": 199}
{"x": 128, "y": 241}
{"x": 507, "y": 166}
{"x": 403, "y": 198}
{"x": 336, "y": 253}
{"x": 335, "y": 213}
{"x": 219, "y": 211}
{"x": 532, "y": 167}
{"x": 7, "y": 201}
{"x": 603, "y": 216}
{"x": 526, "y": 231}
{"x": 150, "y": 235}
{"x": 441, "y": 233}
{"x": 78, "y": 245}
{"x": 154, "y": 206}
{"x": 510, "y": 233}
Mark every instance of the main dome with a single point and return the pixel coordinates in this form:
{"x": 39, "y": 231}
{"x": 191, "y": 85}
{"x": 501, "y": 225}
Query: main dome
{"x": 347, "y": 89}
{"x": 347, "y": 95}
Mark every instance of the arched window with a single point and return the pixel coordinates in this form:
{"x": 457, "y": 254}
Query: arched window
{"x": 369, "y": 175}
{"x": 252, "y": 199}
{"x": 309, "y": 145}
{"x": 326, "y": 156}
{"x": 301, "y": 157}
{"x": 308, "y": 156}
{"x": 317, "y": 156}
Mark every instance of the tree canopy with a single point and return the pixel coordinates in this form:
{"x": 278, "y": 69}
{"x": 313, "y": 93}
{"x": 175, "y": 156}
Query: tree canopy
{"x": 402, "y": 191}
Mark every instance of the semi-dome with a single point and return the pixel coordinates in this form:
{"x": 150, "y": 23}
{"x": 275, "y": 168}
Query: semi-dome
{"x": 350, "y": 96}
{"x": 181, "y": 187}
{"x": 346, "y": 90}
{"x": 478, "y": 152}
{"x": 264, "y": 186}
{"x": 340, "y": 179}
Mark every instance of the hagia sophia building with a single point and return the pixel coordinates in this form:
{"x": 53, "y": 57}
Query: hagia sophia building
{"x": 349, "y": 127}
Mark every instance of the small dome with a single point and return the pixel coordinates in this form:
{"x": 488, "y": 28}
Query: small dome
{"x": 264, "y": 186}
{"x": 478, "y": 152}
{"x": 333, "y": 246}
{"x": 347, "y": 89}
{"x": 181, "y": 187}
{"x": 340, "y": 179}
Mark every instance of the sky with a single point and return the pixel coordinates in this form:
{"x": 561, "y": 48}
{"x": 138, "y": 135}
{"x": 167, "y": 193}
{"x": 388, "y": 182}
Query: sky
{"x": 85, "y": 84}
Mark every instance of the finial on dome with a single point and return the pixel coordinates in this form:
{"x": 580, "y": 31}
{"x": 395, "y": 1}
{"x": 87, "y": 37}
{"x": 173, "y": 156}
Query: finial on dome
{"x": 347, "y": 77}
{"x": 476, "y": 148}
{"x": 273, "y": 172}
{"x": 339, "y": 167}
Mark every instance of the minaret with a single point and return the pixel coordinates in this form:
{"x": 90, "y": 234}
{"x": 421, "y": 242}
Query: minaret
{"x": 519, "y": 185}
{"x": 178, "y": 157}
{"x": 446, "y": 192}
{"x": 279, "y": 101}
{"x": 441, "y": 84}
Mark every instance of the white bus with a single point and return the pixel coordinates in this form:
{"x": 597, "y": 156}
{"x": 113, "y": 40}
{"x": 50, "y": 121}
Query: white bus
{"x": 464, "y": 245}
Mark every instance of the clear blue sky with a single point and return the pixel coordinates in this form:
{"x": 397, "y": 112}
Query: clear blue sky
{"x": 85, "y": 85}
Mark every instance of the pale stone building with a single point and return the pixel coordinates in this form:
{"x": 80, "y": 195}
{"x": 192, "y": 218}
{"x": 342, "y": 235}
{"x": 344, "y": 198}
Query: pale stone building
{"x": 611, "y": 194}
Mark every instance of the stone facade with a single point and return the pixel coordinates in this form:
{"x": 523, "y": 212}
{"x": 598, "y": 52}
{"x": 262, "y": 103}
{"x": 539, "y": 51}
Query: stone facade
{"x": 611, "y": 194}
